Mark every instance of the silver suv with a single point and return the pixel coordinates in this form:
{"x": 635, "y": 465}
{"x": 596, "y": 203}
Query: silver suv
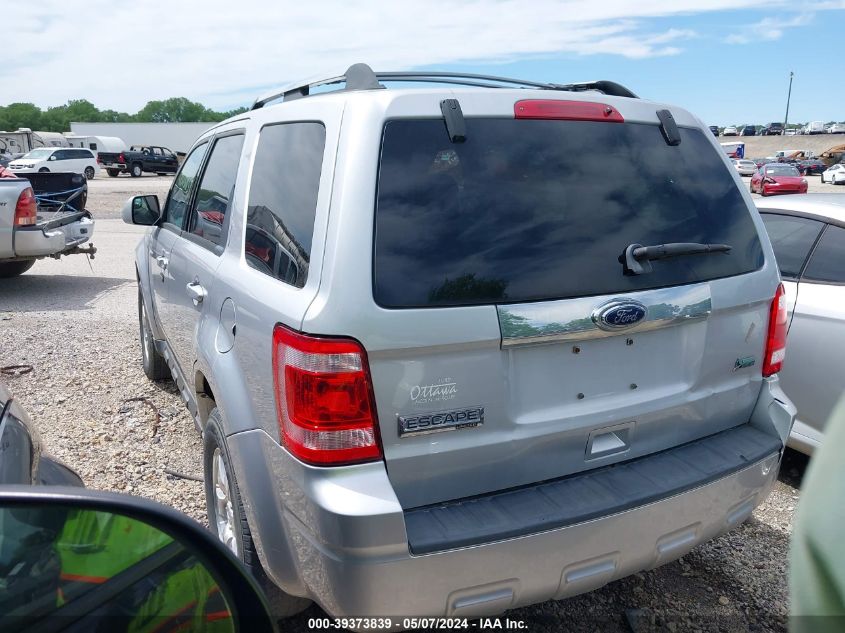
{"x": 457, "y": 350}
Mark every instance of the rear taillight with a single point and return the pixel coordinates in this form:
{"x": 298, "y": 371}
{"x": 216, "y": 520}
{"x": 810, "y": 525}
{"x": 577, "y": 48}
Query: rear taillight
{"x": 324, "y": 399}
{"x": 26, "y": 210}
{"x": 776, "y": 338}
{"x": 121, "y": 158}
{"x": 566, "y": 110}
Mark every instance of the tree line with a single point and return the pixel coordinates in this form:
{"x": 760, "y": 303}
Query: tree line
{"x": 58, "y": 118}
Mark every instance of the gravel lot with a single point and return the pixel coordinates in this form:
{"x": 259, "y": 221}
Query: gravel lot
{"x": 77, "y": 326}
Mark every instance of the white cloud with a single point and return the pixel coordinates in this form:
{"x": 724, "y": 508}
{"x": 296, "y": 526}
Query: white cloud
{"x": 768, "y": 29}
{"x": 120, "y": 55}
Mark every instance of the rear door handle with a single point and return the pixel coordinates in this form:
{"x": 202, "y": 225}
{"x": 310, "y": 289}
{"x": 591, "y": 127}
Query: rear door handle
{"x": 161, "y": 260}
{"x": 196, "y": 292}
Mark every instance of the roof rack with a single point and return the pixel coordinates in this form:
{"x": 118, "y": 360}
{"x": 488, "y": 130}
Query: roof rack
{"x": 362, "y": 77}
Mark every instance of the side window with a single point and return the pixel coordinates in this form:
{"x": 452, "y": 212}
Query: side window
{"x": 827, "y": 263}
{"x": 215, "y": 190}
{"x": 92, "y": 146}
{"x": 180, "y": 193}
{"x": 61, "y": 154}
{"x": 283, "y": 200}
{"x": 792, "y": 238}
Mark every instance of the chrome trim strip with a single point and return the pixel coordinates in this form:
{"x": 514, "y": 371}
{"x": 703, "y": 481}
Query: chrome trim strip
{"x": 572, "y": 319}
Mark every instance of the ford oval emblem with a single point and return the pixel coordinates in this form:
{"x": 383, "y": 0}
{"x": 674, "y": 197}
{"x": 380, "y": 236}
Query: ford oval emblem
{"x": 618, "y": 315}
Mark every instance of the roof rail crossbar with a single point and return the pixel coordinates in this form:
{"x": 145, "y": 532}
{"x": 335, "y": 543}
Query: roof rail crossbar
{"x": 362, "y": 77}
{"x": 356, "y": 77}
{"x": 459, "y": 78}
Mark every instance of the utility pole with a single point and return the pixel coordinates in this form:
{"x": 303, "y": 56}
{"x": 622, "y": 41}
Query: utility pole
{"x": 788, "y": 96}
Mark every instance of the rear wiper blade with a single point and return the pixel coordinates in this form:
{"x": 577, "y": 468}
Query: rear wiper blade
{"x": 637, "y": 258}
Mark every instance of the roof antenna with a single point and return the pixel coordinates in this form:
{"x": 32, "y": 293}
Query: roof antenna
{"x": 454, "y": 118}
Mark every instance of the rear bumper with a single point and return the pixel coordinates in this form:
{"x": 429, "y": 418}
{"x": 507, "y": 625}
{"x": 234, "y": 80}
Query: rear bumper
{"x": 341, "y": 537}
{"x": 44, "y": 240}
{"x": 342, "y": 541}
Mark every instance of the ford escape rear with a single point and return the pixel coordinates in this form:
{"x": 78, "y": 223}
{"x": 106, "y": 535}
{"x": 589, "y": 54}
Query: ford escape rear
{"x": 500, "y": 345}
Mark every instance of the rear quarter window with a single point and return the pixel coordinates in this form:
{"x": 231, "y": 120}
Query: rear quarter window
{"x": 283, "y": 200}
{"x": 827, "y": 263}
{"x": 792, "y": 238}
{"x": 532, "y": 210}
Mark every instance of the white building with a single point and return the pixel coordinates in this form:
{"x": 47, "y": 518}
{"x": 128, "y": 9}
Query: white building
{"x": 175, "y": 136}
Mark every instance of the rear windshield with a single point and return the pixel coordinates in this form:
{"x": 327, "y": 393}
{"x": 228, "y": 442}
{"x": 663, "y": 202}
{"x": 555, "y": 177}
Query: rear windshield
{"x": 531, "y": 210}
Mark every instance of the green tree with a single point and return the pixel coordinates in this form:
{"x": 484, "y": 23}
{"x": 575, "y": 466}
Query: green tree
{"x": 59, "y": 118}
{"x": 174, "y": 110}
{"x": 112, "y": 116}
{"x": 468, "y": 287}
{"x": 83, "y": 111}
{"x": 231, "y": 113}
{"x": 17, "y": 115}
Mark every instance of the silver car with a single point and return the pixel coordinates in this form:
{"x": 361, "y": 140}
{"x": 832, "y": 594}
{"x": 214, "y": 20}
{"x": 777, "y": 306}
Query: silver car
{"x": 444, "y": 366}
{"x": 808, "y": 236}
{"x": 744, "y": 166}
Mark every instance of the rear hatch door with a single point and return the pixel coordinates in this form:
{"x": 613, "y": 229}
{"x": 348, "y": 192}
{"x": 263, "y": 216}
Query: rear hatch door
{"x": 527, "y": 352}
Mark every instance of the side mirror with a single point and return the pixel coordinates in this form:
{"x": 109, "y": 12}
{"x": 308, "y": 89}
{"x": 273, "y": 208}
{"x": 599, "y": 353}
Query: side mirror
{"x": 85, "y": 559}
{"x": 52, "y": 157}
{"x": 142, "y": 210}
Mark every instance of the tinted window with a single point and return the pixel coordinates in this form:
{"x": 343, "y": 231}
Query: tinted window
{"x": 180, "y": 193}
{"x": 62, "y": 154}
{"x": 827, "y": 263}
{"x": 215, "y": 190}
{"x": 529, "y": 210}
{"x": 781, "y": 170}
{"x": 792, "y": 238}
{"x": 283, "y": 200}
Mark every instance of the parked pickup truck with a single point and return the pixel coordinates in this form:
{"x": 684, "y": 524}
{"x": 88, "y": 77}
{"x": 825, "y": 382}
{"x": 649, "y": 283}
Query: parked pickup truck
{"x": 138, "y": 159}
{"x": 42, "y": 215}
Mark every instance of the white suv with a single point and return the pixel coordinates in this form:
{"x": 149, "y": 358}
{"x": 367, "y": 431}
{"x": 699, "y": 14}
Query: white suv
{"x": 63, "y": 159}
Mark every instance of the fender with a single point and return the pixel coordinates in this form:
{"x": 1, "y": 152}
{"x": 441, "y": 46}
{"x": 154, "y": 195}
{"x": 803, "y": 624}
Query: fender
{"x": 142, "y": 271}
{"x": 233, "y": 396}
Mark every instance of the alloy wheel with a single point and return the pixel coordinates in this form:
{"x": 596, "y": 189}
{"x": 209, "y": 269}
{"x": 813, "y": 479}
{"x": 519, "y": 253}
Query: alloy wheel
{"x": 224, "y": 513}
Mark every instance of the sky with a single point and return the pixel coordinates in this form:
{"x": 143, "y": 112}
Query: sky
{"x": 728, "y": 61}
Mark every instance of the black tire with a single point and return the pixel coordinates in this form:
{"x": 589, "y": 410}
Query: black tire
{"x": 155, "y": 367}
{"x": 282, "y": 605}
{"x": 113, "y": 173}
{"x": 42, "y": 170}
{"x": 89, "y": 173}
{"x": 13, "y": 269}
{"x": 135, "y": 170}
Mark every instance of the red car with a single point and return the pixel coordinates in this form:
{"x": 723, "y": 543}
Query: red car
{"x": 774, "y": 178}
